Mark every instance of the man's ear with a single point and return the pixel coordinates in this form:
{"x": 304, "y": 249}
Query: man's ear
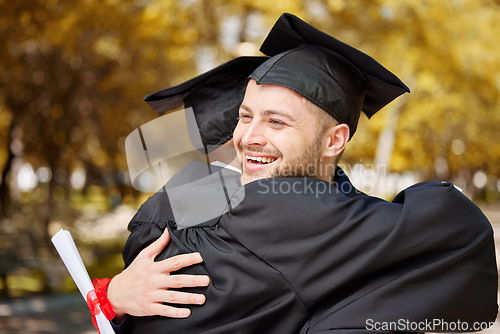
{"x": 336, "y": 138}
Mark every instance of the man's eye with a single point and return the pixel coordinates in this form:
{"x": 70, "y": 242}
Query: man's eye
{"x": 244, "y": 118}
{"x": 277, "y": 123}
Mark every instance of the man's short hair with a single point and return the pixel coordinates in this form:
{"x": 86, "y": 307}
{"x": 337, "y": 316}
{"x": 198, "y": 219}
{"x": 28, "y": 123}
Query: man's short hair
{"x": 324, "y": 120}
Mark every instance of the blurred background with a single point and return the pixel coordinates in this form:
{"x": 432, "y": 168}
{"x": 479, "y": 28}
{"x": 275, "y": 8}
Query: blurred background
{"x": 73, "y": 75}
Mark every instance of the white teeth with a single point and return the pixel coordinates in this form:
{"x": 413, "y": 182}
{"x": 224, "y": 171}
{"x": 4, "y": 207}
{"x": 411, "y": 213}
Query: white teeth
{"x": 260, "y": 159}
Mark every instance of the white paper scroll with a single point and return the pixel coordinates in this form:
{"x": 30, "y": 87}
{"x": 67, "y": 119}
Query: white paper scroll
{"x": 68, "y": 252}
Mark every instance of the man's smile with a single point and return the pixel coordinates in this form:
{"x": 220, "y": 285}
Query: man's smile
{"x": 259, "y": 160}
{"x": 255, "y": 161}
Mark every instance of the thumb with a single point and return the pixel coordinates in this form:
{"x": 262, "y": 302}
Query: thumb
{"x": 157, "y": 246}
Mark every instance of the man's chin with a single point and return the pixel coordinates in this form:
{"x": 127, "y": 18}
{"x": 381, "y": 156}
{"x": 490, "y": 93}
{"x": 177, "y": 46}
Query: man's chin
{"x": 247, "y": 177}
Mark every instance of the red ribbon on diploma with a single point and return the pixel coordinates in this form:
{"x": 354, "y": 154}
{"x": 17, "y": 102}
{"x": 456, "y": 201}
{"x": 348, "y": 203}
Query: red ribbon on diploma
{"x": 98, "y": 296}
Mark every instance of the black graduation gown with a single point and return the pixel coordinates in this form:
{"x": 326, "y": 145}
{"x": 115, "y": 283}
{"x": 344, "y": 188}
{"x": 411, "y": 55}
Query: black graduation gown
{"x": 296, "y": 255}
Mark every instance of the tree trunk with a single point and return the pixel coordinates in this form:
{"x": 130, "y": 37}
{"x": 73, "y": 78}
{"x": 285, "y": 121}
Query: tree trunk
{"x": 4, "y": 186}
{"x": 385, "y": 146}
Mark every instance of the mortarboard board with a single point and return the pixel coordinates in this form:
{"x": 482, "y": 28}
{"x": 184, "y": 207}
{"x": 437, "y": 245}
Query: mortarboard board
{"x": 214, "y": 96}
{"x": 333, "y": 75}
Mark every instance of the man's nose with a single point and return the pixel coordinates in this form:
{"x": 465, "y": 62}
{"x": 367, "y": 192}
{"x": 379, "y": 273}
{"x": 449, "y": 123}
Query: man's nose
{"x": 254, "y": 135}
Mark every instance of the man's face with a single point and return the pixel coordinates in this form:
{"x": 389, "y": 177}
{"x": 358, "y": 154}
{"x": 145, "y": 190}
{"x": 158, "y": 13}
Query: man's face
{"x": 276, "y": 135}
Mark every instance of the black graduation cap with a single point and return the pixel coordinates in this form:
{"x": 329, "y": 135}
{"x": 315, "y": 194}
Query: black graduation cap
{"x": 333, "y": 75}
{"x": 215, "y": 97}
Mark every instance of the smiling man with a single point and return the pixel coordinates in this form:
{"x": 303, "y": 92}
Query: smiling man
{"x": 335, "y": 261}
{"x": 281, "y": 134}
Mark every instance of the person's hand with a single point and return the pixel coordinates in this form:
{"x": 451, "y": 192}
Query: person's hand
{"x": 143, "y": 287}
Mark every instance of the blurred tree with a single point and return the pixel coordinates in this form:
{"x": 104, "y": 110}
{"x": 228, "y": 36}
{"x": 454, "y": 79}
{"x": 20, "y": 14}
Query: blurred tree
{"x": 72, "y": 78}
{"x": 71, "y": 70}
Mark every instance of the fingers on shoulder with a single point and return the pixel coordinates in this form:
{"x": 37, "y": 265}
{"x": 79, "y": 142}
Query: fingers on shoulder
{"x": 181, "y": 261}
{"x": 186, "y": 281}
{"x": 185, "y": 298}
{"x": 156, "y": 246}
{"x": 170, "y": 311}
{"x": 174, "y": 312}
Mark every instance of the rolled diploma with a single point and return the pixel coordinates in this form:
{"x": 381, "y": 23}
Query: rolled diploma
{"x": 65, "y": 246}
